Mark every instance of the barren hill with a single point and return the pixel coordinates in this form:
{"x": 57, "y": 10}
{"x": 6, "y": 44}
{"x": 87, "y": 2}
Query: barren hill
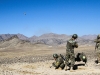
{"x": 52, "y": 39}
{"x": 57, "y": 39}
{"x": 14, "y": 41}
{"x": 7, "y": 36}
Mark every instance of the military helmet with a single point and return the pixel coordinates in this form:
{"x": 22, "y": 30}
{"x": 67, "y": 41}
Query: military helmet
{"x": 98, "y": 36}
{"x": 74, "y": 36}
{"x": 83, "y": 57}
{"x": 55, "y": 55}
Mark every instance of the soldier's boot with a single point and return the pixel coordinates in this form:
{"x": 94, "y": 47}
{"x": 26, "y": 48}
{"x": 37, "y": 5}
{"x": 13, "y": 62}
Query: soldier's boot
{"x": 66, "y": 68}
{"x": 96, "y": 61}
{"x": 71, "y": 69}
{"x": 56, "y": 68}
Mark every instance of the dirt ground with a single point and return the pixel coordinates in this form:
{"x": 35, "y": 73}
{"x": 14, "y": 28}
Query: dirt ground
{"x": 37, "y": 61}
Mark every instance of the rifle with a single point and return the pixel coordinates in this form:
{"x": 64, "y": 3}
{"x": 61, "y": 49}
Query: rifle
{"x": 62, "y": 57}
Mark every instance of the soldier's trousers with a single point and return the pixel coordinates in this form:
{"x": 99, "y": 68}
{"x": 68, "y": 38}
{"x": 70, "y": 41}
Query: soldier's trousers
{"x": 97, "y": 55}
{"x": 70, "y": 59}
{"x": 62, "y": 65}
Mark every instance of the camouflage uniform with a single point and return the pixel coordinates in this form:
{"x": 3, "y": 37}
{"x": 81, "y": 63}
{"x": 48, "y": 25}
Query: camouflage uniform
{"x": 97, "y": 48}
{"x": 70, "y": 56}
{"x": 59, "y": 62}
{"x": 81, "y": 57}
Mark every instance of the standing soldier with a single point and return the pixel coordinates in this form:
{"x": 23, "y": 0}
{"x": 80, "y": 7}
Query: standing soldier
{"x": 70, "y": 56}
{"x": 59, "y": 62}
{"x": 97, "y": 49}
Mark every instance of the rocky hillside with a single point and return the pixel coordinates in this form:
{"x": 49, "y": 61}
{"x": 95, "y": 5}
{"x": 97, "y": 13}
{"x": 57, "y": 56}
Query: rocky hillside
{"x": 55, "y": 39}
{"x": 7, "y": 36}
{"x": 51, "y": 39}
{"x": 14, "y": 41}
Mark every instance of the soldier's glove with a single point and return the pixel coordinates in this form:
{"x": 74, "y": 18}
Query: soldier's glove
{"x": 75, "y": 45}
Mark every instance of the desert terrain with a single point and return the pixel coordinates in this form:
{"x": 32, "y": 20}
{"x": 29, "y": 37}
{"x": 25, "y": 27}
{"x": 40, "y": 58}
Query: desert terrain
{"x": 37, "y": 61}
{"x": 20, "y": 57}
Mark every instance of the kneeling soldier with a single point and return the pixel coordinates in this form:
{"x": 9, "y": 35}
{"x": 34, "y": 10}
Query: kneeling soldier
{"x": 59, "y": 62}
{"x": 81, "y": 57}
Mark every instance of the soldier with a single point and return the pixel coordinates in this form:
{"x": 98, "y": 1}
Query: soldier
{"x": 59, "y": 62}
{"x": 97, "y": 49}
{"x": 81, "y": 57}
{"x": 70, "y": 56}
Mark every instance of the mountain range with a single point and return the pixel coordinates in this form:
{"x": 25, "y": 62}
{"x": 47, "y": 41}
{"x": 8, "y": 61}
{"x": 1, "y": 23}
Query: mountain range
{"x": 50, "y": 38}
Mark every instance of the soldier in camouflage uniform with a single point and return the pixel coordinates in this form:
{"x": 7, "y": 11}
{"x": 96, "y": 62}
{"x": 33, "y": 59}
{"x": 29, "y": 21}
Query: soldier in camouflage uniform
{"x": 97, "y": 49}
{"x": 70, "y": 56}
{"x": 81, "y": 57}
{"x": 59, "y": 62}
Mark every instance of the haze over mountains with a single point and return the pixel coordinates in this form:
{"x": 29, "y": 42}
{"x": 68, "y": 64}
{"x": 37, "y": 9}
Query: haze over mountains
{"x": 49, "y": 39}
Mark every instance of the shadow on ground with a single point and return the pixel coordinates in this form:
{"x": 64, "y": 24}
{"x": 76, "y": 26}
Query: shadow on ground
{"x": 76, "y": 66}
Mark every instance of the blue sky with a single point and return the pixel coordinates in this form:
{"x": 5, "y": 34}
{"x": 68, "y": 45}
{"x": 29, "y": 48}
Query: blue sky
{"x": 49, "y": 16}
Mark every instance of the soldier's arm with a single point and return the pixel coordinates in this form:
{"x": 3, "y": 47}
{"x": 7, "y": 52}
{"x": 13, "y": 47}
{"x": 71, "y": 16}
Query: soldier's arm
{"x": 67, "y": 45}
{"x": 96, "y": 46}
{"x": 57, "y": 64}
{"x": 76, "y": 45}
{"x": 97, "y": 41}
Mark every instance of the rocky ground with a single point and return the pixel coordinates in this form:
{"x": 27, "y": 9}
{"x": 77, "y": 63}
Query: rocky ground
{"x": 38, "y": 62}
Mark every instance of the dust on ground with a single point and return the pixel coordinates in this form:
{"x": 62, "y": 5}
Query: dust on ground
{"x": 37, "y": 61}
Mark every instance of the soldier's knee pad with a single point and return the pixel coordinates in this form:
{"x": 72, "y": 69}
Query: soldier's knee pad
{"x": 62, "y": 65}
